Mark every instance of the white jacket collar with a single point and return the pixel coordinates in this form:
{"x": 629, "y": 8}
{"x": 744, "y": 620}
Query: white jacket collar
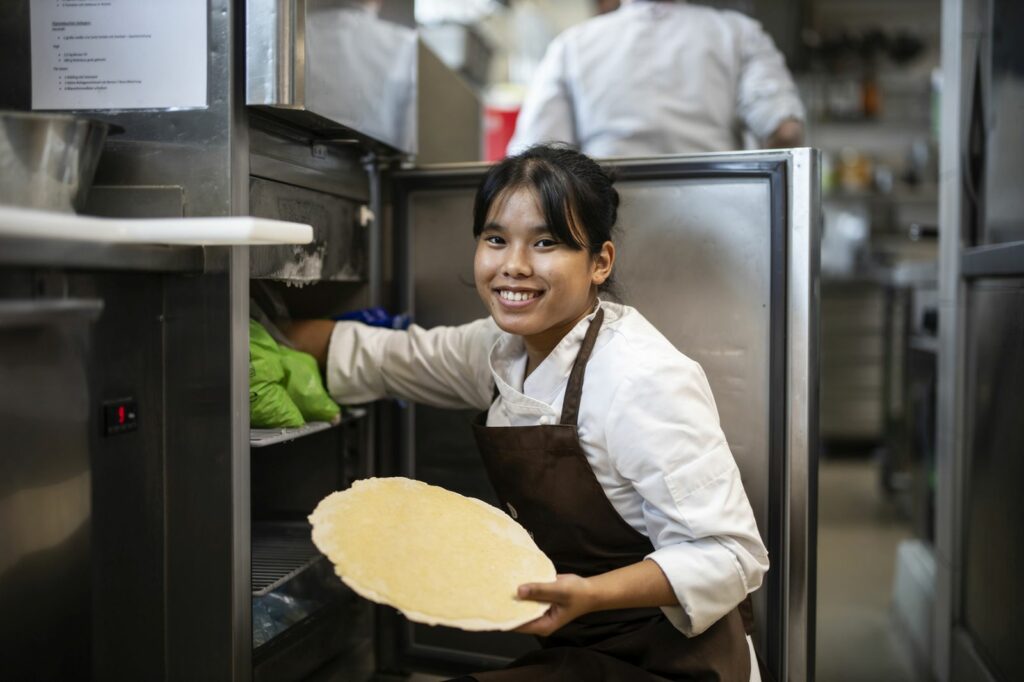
{"x": 542, "y": 388}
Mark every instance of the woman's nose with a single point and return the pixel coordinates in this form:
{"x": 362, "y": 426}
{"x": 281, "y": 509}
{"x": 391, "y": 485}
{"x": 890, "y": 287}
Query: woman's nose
{"x": 517, "y": 263}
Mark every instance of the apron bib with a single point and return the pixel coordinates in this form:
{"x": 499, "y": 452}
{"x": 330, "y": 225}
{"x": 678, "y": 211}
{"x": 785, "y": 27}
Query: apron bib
{"x": 543, "y": 480}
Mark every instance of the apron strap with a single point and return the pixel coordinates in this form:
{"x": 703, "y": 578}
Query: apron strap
{"x": 574, "y": 390}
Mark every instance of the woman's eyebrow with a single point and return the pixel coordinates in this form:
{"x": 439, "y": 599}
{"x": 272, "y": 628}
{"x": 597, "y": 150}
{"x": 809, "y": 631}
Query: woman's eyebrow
{"x": 498, "y": 227}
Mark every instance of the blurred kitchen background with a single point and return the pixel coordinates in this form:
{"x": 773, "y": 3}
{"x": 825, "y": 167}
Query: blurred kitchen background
{"x": 869, "y": 74}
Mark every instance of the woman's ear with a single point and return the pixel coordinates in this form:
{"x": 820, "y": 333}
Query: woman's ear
{"x": 604, "y": 260}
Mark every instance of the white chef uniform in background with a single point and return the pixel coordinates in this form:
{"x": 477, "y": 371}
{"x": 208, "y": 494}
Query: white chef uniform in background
{"x": 658, "y": 78}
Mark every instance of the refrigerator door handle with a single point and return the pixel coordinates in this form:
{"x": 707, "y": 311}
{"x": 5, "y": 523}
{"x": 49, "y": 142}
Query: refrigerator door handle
{"x": 48, "y": 312}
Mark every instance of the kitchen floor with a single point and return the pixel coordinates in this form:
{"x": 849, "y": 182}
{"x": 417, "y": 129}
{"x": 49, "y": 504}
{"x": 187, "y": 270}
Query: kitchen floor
{"x": 858, "y": 533}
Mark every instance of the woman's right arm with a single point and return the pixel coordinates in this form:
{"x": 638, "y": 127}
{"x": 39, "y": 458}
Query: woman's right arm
{"x": 443, "y": 366}
{"x": 310, "y": 336}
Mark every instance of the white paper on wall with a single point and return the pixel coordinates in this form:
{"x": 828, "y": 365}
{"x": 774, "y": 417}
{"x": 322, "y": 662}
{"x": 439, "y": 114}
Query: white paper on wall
{"x": 118, "y": 54}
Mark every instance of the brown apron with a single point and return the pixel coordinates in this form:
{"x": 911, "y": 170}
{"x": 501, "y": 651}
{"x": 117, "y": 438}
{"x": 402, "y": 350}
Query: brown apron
{"x": 543, "y": 479}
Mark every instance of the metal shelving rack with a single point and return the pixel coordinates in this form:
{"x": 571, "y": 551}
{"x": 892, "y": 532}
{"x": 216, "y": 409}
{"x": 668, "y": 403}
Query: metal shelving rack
{"x": 261, "y": 438}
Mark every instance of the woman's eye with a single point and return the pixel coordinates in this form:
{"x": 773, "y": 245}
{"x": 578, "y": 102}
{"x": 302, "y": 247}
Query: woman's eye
{"x": 494, "y": 239}
{"x": 547, "y": 242}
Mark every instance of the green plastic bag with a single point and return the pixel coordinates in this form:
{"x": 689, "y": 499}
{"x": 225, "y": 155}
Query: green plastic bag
{"x": 270, "y": 406}
{"x": 306, "y": 388}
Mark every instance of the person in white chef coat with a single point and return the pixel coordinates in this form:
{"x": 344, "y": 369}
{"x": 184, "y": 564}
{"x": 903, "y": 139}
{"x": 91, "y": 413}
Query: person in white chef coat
{"x": 661, "y": 77}
{"x": 598, "y": 435}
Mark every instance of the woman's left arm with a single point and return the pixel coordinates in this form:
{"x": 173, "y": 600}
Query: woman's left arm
{"x": 663, "y": 435}
{"x": 634, "y": 586}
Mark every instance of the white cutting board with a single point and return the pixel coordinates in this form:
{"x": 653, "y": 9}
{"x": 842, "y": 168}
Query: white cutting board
{"x": 222, "y": 231}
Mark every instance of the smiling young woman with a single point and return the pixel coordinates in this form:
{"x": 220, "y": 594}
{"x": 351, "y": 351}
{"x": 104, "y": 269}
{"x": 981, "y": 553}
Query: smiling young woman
{"x": 629, "y": 486}
{"x": 534, "y": 283}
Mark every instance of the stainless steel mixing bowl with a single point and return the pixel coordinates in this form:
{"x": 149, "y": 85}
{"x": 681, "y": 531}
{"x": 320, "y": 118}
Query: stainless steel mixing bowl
{"x": 48, "y": 161}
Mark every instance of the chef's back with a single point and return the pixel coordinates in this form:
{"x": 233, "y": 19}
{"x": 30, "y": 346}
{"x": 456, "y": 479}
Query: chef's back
{"x": 661, "y": 78}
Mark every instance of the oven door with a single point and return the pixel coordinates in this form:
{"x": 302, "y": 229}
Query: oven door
{"x": 730, "y": 240}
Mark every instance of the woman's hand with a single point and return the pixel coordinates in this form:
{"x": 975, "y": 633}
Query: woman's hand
{"x": 570, "y": 597}
{"x": 638, "y": 585}
{"x": 310, "y": 336}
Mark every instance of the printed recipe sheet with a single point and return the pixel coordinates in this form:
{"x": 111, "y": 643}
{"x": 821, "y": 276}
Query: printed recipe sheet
{"x": 118, "y": 54}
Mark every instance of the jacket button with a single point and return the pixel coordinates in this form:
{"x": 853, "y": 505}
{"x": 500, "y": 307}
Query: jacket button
{"x": 512, "y": 510}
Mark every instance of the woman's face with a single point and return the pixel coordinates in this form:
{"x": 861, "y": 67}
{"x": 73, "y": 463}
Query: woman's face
{"x": 532, "y": 284}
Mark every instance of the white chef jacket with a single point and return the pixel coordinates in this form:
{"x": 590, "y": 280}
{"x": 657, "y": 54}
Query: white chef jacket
{"x": 647, "y": 423}
{"x": 658, "y": 78}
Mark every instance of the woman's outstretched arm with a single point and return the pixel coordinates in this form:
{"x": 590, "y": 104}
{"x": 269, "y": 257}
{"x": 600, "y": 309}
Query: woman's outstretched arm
{"x": 310, "y": 336}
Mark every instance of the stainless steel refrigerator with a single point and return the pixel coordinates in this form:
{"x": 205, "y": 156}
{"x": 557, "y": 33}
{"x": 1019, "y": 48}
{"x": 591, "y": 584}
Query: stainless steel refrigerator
{"x": 720, "y": 253}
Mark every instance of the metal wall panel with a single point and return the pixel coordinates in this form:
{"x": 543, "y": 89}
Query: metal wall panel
{"x": 993, "y": 537}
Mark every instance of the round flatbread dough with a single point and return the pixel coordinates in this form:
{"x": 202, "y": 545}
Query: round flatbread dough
{"x": 437, "y": 556}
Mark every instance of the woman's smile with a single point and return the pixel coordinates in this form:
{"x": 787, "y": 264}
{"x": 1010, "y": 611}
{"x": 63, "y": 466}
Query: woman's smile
{"x": 518, "y": 298}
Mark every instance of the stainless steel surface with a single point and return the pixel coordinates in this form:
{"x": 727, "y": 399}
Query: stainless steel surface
{"x": 334, "y": 68}
{"x": 240, "y": 472}
{"x": 450, "y": 114}
{"x": 166, "y": 201}
{"x": 45, "y": 489}
{"x": 992, "y": 543}
{"x": 48, "y": 161}
{"x": 688, "y": 228}
{"x": 994, "y": 260}
{"x": 461, "y": 47}
{"x": 286, "y": 154}
{"x": 35, "y": 312}
{"x": 741, "y": 248}
{"x": 966, "y": 663}
{"x": 338, "y": 251}
{"x": 802, "y": 378}
{"x": 961, "y": 28}
{"x": 1003, "y": 93}
{"x": 275, "y": 48}
{"x": 160, "y": 340}
{"x": 374, "y": 166}
{"x": 103, "y": 256}
{"x": 129, "y": 472}
{"x": 261, "y": 438}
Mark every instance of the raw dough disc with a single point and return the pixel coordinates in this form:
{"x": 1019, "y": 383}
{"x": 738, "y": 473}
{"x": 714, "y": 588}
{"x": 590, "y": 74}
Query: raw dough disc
{"x": 437, "y": 556}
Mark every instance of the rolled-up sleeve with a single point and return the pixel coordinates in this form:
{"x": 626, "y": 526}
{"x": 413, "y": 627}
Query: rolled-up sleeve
{"x": 664, "y": 436}
{"x": 767, "y": 95}
{"x": 443, "y": 366}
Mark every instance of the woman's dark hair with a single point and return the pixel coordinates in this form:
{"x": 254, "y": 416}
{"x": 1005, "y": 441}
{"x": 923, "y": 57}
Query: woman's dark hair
{"x": 575, "y": 194}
